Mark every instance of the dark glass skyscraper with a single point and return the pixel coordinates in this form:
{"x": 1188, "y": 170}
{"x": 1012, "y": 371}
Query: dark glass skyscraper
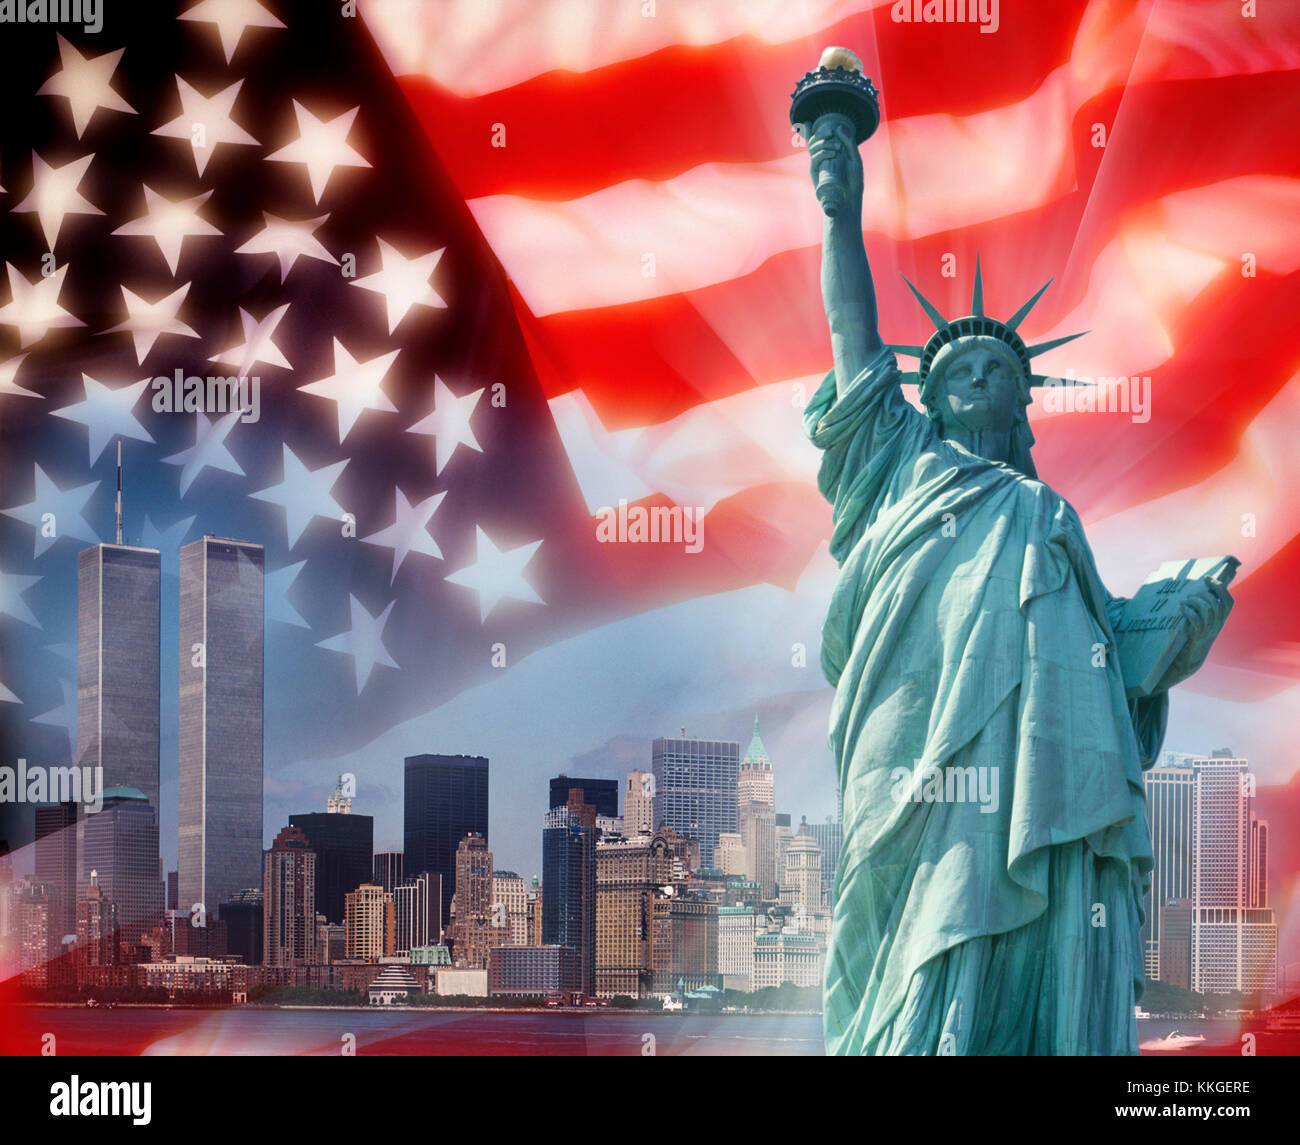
{"x": 696, "y": 789}
{"x": 569, "y": 882}
{"x": 221, "y": 695}
{"x": 118, "y": 602}
{"x": 602, "y": 794}
{"x": 56, "y": 863}
{"x": 344, "y": 846}
{"x": 446, "y": 798}
{"x": 121, "y": 844}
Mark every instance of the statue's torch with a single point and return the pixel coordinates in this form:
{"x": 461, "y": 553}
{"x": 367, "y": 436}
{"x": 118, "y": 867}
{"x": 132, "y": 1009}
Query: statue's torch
{"x": 836, "y": 87}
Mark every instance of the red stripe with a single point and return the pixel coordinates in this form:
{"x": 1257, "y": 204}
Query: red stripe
{"x": 659, "y": 115}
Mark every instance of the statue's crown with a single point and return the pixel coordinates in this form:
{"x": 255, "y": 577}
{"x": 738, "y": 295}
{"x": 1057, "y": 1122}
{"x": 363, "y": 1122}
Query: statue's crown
{"x": 978, "y": 324}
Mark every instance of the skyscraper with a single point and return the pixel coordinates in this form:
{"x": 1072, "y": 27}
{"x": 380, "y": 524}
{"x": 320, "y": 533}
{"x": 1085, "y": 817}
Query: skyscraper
{"x": 417, "y": 912}
{"x": 473, "y": 932}
{"x": 370, "y": 923}
{"x": 118, "y": 611}
{"x": 602, "y": 794}
{"x": 386, "y": 870}
{"x": 639, "y": 804}
{"x": 56, "y": 863}
{"x": 344, "y": 844}
{"x": 830, "y": 837}
{"x": 1171, "y": 796}
{"x": 509, "y": 909}
{"x": 569, "y": 876}
{"x": 756, "y": 795}
{"x": 628, "y": 873}
{"x": 120, "y": 841}
{"x": 221, "y": 698}
{"x": 696, "y": 789}
{"x": 446, "y": 798}
{"x": 289, "y": 900}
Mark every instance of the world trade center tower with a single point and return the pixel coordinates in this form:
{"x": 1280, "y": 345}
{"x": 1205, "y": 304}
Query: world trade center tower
{"x": 221, "y": 698}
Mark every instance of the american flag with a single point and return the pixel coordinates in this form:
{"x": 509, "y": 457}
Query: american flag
{"x": 499, "y": 266}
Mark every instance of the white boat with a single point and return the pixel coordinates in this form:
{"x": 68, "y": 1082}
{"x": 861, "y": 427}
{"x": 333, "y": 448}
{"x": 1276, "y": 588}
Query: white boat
{"x": 1140, "y": 1014}
{"x": 1175, "y": 1040}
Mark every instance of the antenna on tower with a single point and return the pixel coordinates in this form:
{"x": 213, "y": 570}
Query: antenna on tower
{"x": 119, "y": 490}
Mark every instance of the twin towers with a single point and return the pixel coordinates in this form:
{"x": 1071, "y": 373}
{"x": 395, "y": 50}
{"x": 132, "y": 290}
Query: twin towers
{"x": 119, "y": 605}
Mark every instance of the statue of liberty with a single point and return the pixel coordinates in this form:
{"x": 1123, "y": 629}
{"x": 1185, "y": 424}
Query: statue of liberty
{"x": 996, "y": 854}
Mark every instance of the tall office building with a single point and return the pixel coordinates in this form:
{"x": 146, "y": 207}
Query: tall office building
{"x": 639, "y": 804}
{"x": 56, "y": 862}
{"x": 120, "y": 842}
{"x": 387, "y": 869}
{"x": 1171, "y": 796}
{"x": 344, "y": 844}
{"x": 289, "y": 901}
{"x": 783, "y": 834}
{"x": 473, "y": 932}
{"x": 569, "y": 876}
{"x": 370, "y": 923}
{"x": 830, "y": 838}
{"x": 221, "y": 698}
{"x": 756, "y": 812}
{"x": 628, "y": 873}
{"x": 602, "y": 794}
{"x": 445, "y": 799}
{"x": 417, "y": 913}
{"x": 98, "y": 928}
{"x": 696, "y": 789}
{"x": 242, "y": 916}
{"x": 509, "y": 909}
{"x": 118, "y": 616}
{"x": 803, "y": 875}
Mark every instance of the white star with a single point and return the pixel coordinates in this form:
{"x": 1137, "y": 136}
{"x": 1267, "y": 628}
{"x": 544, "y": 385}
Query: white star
{"x": 205, "y": 123}
{"x": 84, "y": 83}
{"x": 404, "y": 282}
{"x": 54, "y": 195}
{"x": 12, "y": 586}
{"x": 258, "y": 345}
{"x": 7, "y": 696}
{"x": 53, "y": 512}
{"x": 34, "y": 306}
{"x": 65, "y": 715}
{"x": 147, "y": 321}
{"x": 449, "y": 423}
{"x": 321, "y": 146}
{"x": 8, "y": 371}
{"x": 167, "y": 541}
{"x": 232, "y": 18}
{"x": 364, "y": 642}
{"x": 355, "y": 386}
{"x": 288, "y": 239}
{"x": 496, "y": 574}
{"x": 409, "y": 532}
{"x": 208, "y": 451}
{"x": 304, "y": 493}
{"x": 106, "y": 413}
{"x": 277, "y": 585}
{"x": 169, "y": 223}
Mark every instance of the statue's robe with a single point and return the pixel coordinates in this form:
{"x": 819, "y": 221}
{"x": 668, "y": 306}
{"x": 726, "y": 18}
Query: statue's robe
{"x": 969, "y": 628}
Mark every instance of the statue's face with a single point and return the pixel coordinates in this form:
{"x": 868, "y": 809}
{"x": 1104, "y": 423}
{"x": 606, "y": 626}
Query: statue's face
{"x": 980, "y": 392}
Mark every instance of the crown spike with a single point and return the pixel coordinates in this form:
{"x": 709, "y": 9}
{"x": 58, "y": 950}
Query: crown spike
{"x": 1019, "y": 315}
{"x": 1043, "y": 347}
{"x": 938, "y": 319}
{"x": 977, "y": 295}
{"x": 910, "y": 351}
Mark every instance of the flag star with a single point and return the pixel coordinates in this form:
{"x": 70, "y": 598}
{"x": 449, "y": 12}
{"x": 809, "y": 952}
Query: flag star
{"x": 8, "y": 371}
{"x": 496, "y": 574}
{"x": 449, "y": 423}
{"x": 304, "y": 493}
{"x": 106, "y": 413}
{"x": 321, "y": 146}
{"x": 147, "y": 321}
{"x": 355, "y": 386}
{"x": 205, "y": 123}
{"x": 288, "y": 239}
{"x": 409, "y": 532}
{"x": 65, "y": 715}
{"x": 167, "y": 541}
{"x": 54, "y": 195}
{"x": 169, "y": 223}
{"x": 53, "y": 512}
{"x": 278, "y": 606}
{"x": 34, "y": 306}
{"x": 363, "y": 641}
{"x": 259, "y": 343}
{"x": 7, "y": 696}
{"x": 84, "y": 83}
{"x": 404, "y": 282}
{"x": 208, "y": 451}
{"x": 232, "y": 18}
{"x": 12, "y": 586}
